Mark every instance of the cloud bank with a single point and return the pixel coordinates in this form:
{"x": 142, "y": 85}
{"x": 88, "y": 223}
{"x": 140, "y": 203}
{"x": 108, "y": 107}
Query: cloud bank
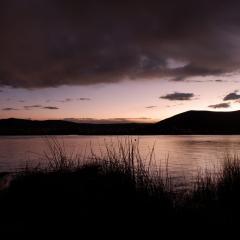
{"x": 48, "y": 43}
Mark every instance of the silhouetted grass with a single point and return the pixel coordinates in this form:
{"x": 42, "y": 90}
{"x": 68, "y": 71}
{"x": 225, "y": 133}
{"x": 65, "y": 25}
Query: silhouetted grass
{"x": 119, "y": 190}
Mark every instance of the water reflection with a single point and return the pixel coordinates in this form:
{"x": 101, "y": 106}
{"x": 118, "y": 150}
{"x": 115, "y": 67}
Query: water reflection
{"x": 185, "y": 154}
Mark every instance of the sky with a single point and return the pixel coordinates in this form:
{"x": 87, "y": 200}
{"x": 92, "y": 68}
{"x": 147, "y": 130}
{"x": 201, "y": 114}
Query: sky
{"x": 117, "y": 61}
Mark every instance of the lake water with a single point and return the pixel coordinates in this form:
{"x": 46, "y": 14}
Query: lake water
{"x": 186, "y": 154}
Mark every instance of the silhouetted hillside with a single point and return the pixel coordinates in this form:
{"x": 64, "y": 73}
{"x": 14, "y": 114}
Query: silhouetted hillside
{"x": 58, "y": 127}
{"x": 191, "y": 122}
{"x": 201, "y": 122}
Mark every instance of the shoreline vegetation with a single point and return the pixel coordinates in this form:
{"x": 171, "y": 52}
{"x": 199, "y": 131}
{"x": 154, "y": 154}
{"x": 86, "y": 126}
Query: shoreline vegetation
{"x": 120, "y": 191}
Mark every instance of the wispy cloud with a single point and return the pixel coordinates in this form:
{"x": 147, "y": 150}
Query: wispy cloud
{"x": 10, "y": 109}
{"x": 178, "y": 96}
{"x": 151, "y": 107}
{"x": 50, "y": 108}
{"x": 74, "y": 99}
{"x": 83, "y": 99}
{"x": 66, "y": 100}
{"x": 204, "y": 81}
{"x": 40, "y": 107}
{"x": 220, "y": 105}
{"x": 32, "y": 107}
{"x": 174, "y": 105}
{"x": 109, "y": 120}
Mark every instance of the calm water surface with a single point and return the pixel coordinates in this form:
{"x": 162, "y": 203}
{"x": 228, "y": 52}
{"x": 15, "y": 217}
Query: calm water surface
{"x": 186, "y": 154}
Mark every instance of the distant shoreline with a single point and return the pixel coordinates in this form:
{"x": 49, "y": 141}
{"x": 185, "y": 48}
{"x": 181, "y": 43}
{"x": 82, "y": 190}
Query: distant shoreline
{"x": 187, "y": 123}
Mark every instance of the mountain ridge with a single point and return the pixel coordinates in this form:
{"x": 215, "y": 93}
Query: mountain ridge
{"x": 189, "y": 122}
{"x": 203, "y": 122}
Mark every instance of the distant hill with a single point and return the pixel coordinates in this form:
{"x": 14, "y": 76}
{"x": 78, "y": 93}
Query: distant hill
{"x": 191, "y": 122}
{"x": 14, "y": 126}
{"x": 201, "y": 122}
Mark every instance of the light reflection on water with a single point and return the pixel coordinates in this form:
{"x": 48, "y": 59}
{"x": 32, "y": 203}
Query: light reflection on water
{"x": 186, "y": 154}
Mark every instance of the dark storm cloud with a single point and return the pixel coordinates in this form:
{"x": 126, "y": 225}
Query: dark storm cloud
{"x": 178, "y": 96}
{"x": 9, "y": 109}
{"x": 47, "y": 43}
{"x": 220, "y": 105}
{"x": 232, "y": 96}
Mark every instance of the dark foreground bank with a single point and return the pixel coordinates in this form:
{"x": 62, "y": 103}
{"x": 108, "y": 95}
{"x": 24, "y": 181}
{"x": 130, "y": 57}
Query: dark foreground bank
{"x": 117, "y": 193}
